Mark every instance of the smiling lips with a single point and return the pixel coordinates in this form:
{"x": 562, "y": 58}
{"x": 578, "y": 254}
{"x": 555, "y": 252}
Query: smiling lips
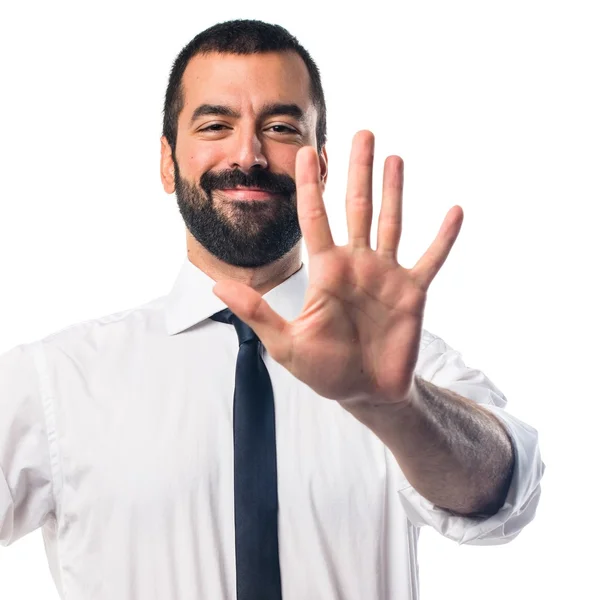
{"x": 248, "y": 194}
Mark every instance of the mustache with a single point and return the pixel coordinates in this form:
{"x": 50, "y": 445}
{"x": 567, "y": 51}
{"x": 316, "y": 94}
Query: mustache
{"x": 276, "y": 183}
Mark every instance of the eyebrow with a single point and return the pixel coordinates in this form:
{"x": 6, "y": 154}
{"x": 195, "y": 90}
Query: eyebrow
{"x": 269, "y": 110}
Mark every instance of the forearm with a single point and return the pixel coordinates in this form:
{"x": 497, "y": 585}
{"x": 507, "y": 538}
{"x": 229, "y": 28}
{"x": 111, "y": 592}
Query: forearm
{"x": 453, "y": 452}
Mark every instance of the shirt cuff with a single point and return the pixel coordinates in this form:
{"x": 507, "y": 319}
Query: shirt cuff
{"x": 518, "y": 509}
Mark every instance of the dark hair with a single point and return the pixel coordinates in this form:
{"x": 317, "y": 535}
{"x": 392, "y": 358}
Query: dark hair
{"x": 240, "y": 37}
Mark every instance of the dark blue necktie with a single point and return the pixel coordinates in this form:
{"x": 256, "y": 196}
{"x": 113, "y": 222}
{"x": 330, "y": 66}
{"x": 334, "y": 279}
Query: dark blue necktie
{"x": 254, "y": 470}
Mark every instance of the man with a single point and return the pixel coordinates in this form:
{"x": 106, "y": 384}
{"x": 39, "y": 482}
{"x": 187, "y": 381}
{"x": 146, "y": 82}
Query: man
{"x": 261, "y": 432}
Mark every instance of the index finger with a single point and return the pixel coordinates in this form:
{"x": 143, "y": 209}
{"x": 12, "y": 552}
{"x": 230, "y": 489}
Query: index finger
{"x": 311, "y": 208}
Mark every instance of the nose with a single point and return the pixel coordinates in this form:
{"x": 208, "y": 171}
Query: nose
{"x": 247, "y": 152}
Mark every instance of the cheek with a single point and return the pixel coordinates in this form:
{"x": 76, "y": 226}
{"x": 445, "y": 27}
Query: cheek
{"x": 194, "y": 159}
{"x": 287, "y": 163}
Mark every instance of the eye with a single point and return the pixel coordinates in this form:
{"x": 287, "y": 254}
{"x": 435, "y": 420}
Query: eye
{"x": 213, "y": 127}
{"x": 286, "y": 129}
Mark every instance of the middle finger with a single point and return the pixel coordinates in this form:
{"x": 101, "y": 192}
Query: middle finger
{"x": 359, "y": 193}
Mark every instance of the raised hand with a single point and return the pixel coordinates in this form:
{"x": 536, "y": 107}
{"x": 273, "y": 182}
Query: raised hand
{"x": 357, "y": 337}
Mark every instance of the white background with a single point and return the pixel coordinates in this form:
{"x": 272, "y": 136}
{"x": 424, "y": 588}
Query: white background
{"x": 493, "y": 106}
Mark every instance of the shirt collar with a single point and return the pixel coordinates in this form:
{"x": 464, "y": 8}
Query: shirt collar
{"x": 191, "y": 300}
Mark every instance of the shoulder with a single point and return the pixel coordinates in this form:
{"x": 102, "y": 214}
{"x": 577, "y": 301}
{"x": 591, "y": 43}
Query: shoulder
{"x": 131, "y": 322}
{"x": 428, "y": 338}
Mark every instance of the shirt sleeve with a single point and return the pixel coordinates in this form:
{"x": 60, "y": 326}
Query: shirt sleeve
{"x": 443, "y": 366}
{"x": 26, "y": 494}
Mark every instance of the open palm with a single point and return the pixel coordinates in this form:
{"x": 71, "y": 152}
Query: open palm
{"x": 358, "y": 334}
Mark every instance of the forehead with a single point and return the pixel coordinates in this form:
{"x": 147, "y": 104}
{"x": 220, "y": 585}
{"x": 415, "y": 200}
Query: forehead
{"x": 242, "y": 80}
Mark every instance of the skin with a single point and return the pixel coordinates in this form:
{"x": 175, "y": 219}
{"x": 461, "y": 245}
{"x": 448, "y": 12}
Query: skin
{"x": 357, "y": 338}
{"x": 246, "y": 83}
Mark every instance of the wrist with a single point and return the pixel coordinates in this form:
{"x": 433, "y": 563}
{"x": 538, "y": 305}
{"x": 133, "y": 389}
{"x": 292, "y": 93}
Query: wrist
{"x": 378, "y": 410}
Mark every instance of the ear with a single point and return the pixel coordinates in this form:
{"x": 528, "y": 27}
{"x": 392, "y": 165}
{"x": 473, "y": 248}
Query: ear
{"x": 323, "y": 161}
{"x": 167, "y": 166}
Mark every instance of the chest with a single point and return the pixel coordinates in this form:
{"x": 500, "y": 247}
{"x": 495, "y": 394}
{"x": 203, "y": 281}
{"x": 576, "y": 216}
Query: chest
{"x": 166, "y": 434}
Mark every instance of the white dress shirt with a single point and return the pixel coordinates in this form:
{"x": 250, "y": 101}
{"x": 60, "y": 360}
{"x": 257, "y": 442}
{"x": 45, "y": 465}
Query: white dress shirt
{"x": 116, "y": 440}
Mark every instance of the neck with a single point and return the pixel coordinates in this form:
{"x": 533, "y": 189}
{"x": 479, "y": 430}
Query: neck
{"x": 262, "y": 279}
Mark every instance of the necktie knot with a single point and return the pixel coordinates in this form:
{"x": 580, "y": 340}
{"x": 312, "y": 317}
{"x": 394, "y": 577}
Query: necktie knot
{"x": 244, "y": 332}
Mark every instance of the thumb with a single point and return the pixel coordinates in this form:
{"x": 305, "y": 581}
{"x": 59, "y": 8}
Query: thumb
{"x": 247, "y": 304}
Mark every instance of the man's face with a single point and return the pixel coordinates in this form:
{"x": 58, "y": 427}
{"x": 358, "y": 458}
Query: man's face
{"x": 243, "y": 121}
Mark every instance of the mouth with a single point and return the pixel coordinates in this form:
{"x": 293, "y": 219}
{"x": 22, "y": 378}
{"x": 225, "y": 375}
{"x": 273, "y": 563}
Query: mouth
{"x": 242, "y": 193}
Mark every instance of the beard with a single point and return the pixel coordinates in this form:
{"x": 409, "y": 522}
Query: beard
{"x": 242, "y": 233}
